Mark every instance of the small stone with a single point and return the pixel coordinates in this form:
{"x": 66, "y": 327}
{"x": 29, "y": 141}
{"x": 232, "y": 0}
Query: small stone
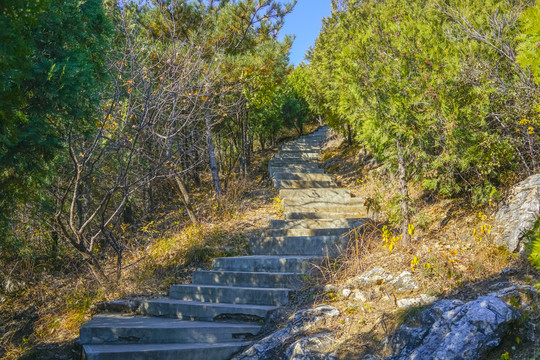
{"x": 402, "y": 303}
{"x": 359, "y": 296}
{"x": 330, "y": 288}
{"x": 404, "y": 282}
{"x": 508, "y": 272}
{"x": 346, "y": 293}
{"x": 418, "y": 301}
{"x": 375, "y": 276}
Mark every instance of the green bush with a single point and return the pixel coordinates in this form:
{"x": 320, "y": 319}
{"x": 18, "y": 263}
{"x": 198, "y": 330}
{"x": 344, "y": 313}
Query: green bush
{"x": 533, "y": 244}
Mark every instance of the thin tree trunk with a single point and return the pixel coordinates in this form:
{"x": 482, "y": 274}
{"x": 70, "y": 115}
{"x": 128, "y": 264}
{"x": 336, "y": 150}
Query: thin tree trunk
{"x": 212, "y": 155}
{"x": 404, "y": 195}
{"x": 185, "y": 199}
{"x": 96, "y": 268}
{"x": 246, "y": 143}
{"x": 349, "y": 134}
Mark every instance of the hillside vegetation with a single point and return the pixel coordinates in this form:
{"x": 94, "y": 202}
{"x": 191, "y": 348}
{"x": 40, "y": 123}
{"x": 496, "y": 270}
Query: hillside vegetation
{"x": 135, "y": 138}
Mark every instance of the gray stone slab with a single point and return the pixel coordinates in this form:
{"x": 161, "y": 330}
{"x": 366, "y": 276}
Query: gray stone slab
{"x": 305, "y": 232}
{"x": 296, "y": 264}
{"x": 220, "y": 351}
{"x": 130, "y": 329}
{"x": 315, "y": 223}
{"x": 244, "y": 279}
{"x": 322, "y": 207}
{"x": 298, "y": 245}
{"x": 303, "y": 184}
{"x": 201, "y": 311}
{"x": 315, "y": 194}
{"x": 323, "y": 215}
{"x": 230, "y": 294}
{"x": 301, "y": 176}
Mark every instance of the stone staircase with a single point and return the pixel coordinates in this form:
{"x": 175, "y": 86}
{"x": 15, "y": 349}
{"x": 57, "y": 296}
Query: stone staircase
{"x": 218, "y": 314}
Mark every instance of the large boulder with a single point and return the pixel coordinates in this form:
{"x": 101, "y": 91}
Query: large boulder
{"x": 452, "y": 330}
{"x": 518, "y": 213}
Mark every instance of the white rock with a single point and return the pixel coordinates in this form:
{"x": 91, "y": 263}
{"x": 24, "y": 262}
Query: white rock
{"x": 419, "y": 301}
{"x": 346, "y": 293}
{"x": 330, "y": 288}
{"x": 518, "y": 213}
{"x": 375, "y": 276}
{"x": 359, "y": 296}
{"x": 404, "y": 282}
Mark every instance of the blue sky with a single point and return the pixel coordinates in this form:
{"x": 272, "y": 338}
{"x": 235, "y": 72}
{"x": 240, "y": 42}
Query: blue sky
{"x": 305, "y": 23}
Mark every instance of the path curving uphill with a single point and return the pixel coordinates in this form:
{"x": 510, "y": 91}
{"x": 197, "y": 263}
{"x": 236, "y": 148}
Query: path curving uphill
{"x": 218, "y": 314}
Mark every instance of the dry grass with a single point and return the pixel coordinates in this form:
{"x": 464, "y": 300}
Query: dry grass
{"x": 49, "y": 300}
{"x": 452, "y": 255}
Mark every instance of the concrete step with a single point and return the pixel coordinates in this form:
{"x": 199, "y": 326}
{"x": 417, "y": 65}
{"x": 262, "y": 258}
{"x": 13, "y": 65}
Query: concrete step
{"x": 299, "y": 165}
{"x": 202, "y": 311}
{"x": 230, "y": 294}
{"x": 315, "y": 223}
{"x": 202, "y": 351}
{"x": 303, "y": 184}
{"x": 322, "y": 215}
{"x": 247, "y": 279}
{"x": 315, "y": 194}
{"x": 302, "y": 153}
{"x": 312, "y": 148}
{"x": 259, "y": 263}
{"x": 331, "y": 208}
{"x": 302, "y": 176}
{"x": 307, "y": 164}
{"x": 298, "y": 245}
{"x": 129, "y": 329}
{"x": 294, "y": 169}
{"x": 305, "y": 232}
{"x": 323, "y": 202}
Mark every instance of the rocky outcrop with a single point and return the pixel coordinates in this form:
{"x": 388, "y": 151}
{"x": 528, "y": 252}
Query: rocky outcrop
{"x": 295, "y": 335}
{"x": 312, "y": 347}
{"x": 452, "y": 330}
{"x": 518, "y": 213}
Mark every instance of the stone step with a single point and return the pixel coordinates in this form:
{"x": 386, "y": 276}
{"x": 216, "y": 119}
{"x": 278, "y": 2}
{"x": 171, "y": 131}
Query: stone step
{"x": 303, "y": 184}
{"x": 292, "y": 162}
{"x": 201, "y": 351}
{"x": 308, "y": 202}
{"x": 300, "y": 150}
{"x": 305, "y": 232}
{"x": 202, "y": 311}
{"x": 298, "y": 245}
{"x": 330, "y": 208}
{"x": 322, "y": 215}
{"x": 316, "y": 223}
{"x": 302, "y": 153}
{"x": 300, "y": 156}
{"x": 129, "y": 329}
{"x": 311, "y": 146}
{"x": 258, "y": 263}
{"x": 230, "y": 294}
{"x": 302, "y": 176}
{"x": 315, "y": 194}
{"x": 294, "y": 169}
{"x": 247, "y": 279}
